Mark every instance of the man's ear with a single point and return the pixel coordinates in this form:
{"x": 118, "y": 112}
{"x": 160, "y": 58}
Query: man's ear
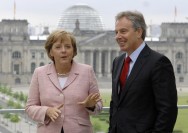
{"x": 139, "y": 32}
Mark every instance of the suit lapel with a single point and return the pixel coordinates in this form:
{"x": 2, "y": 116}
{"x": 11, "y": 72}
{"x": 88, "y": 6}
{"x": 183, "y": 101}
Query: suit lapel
{"x": 135, "y": 70}
{"x": 70, "y": 79}
{"x": 73, "y": 74}
{"x": 118, "y": 67}
{"x": 51, "y": 72}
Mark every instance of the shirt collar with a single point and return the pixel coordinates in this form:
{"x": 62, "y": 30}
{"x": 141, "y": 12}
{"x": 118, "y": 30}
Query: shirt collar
{"x": 136, "y": 53}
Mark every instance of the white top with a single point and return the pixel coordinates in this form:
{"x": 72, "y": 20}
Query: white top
{"x": 62, "y": 80}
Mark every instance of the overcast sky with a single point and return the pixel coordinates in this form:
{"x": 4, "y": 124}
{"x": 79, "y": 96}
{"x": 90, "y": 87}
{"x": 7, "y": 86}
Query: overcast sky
{"x": 48, "y": 12}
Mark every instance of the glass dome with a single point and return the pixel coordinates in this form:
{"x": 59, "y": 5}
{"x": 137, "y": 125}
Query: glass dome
{"x": 87, "y": 17}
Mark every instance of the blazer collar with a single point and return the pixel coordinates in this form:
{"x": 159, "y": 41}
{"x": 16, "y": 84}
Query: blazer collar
{"x": 51, "y": 72}
{"x": 119, "y": 66}
{"x": 74, "y": 72}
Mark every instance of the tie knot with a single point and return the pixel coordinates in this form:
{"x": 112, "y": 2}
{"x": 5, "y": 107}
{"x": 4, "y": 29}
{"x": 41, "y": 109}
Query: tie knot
{"x": 128, "y": 59}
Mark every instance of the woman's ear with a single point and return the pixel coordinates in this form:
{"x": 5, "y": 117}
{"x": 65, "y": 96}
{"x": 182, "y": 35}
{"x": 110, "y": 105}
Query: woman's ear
{"x": 51, "y": 53}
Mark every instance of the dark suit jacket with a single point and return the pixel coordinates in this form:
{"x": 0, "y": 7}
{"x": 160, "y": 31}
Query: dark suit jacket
{"x": 148, "y": 102}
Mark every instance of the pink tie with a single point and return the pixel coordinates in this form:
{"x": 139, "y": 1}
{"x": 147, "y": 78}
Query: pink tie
{"x": 124, "y": 71}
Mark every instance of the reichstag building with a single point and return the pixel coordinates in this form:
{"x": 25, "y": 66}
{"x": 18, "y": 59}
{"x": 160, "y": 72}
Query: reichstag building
{"x": 20, "y": 54}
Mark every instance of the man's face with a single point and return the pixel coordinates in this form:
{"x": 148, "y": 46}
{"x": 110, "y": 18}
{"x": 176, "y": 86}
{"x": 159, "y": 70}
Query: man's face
{"x": 126, "y": 36}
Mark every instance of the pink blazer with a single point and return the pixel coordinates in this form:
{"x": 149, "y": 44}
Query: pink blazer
{"x": 45, "y": 91}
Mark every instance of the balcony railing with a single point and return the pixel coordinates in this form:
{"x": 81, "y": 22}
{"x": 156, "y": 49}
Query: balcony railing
{"x": 26, "y": 125}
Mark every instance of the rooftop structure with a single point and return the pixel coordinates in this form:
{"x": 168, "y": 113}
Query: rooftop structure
{"x": 86, "y": 17}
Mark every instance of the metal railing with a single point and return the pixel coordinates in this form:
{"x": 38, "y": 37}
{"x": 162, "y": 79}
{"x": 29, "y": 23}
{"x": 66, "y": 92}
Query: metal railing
{"x": 26, "y": 125}
{"x": 104, "y": 109}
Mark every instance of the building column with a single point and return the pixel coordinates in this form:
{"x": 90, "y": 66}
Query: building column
{"x": 109, "y": 64}
{"x": 26, "y": 61}
{"x": 91, "y": 58}
{"x": 83, "y": 57}
{"x": 1, "y": 60}
{"x": 99, "y": 64}
{"x": 10, "y": 68}
{"x": 186, "y": 61}
{"x": 174, "y": 60}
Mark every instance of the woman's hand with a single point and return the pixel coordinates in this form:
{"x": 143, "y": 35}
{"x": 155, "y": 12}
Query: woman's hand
{"x": 53, "y": 112}
{"x": 91, "y": 100}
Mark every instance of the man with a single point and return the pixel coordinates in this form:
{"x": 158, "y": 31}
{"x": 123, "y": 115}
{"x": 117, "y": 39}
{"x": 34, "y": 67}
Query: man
{"x": 146, "y": 100}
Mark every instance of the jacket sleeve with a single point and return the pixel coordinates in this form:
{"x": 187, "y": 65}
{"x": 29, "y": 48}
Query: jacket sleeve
{"x": 94, "y": 89}
{"x": 33, "y": 106}
{"x": 111, "y": 102}
{"x": 165, "y": 93}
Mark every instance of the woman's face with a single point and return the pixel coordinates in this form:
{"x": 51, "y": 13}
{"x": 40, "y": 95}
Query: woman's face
{"x": 62, "y": 51}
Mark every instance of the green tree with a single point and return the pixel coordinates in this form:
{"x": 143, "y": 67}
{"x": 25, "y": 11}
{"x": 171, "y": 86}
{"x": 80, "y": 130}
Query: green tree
{"x": 16, "y": 95}
{"x": 9, "y": 91}
{"x": 10, "y": 103}
{"x": 4, "y": 90}
{"x": 17, "y": 106}
{"x": 96, "y": 126}
{"x": 15, "y": 119}
{"x": 21, "y": 96}
{"x": 7, "y": 115}
{"x": 25, "y": 98}
{"x": 1, "y": 88}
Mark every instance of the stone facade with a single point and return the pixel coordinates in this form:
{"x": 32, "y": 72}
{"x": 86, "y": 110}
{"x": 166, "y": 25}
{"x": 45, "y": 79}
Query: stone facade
{"x": 20, "y": 55}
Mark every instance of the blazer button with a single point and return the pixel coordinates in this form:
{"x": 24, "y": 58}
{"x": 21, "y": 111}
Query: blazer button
{"x": 118, "y": 108}
{"x": 61, "y": 94}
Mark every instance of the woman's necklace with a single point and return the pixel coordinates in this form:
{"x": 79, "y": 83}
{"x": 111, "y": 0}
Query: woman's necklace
{"x": 63, "y": 74}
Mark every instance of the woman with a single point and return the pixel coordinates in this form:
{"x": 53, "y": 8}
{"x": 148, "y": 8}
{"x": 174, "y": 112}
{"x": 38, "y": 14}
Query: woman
{"x": 64, "y": 93}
